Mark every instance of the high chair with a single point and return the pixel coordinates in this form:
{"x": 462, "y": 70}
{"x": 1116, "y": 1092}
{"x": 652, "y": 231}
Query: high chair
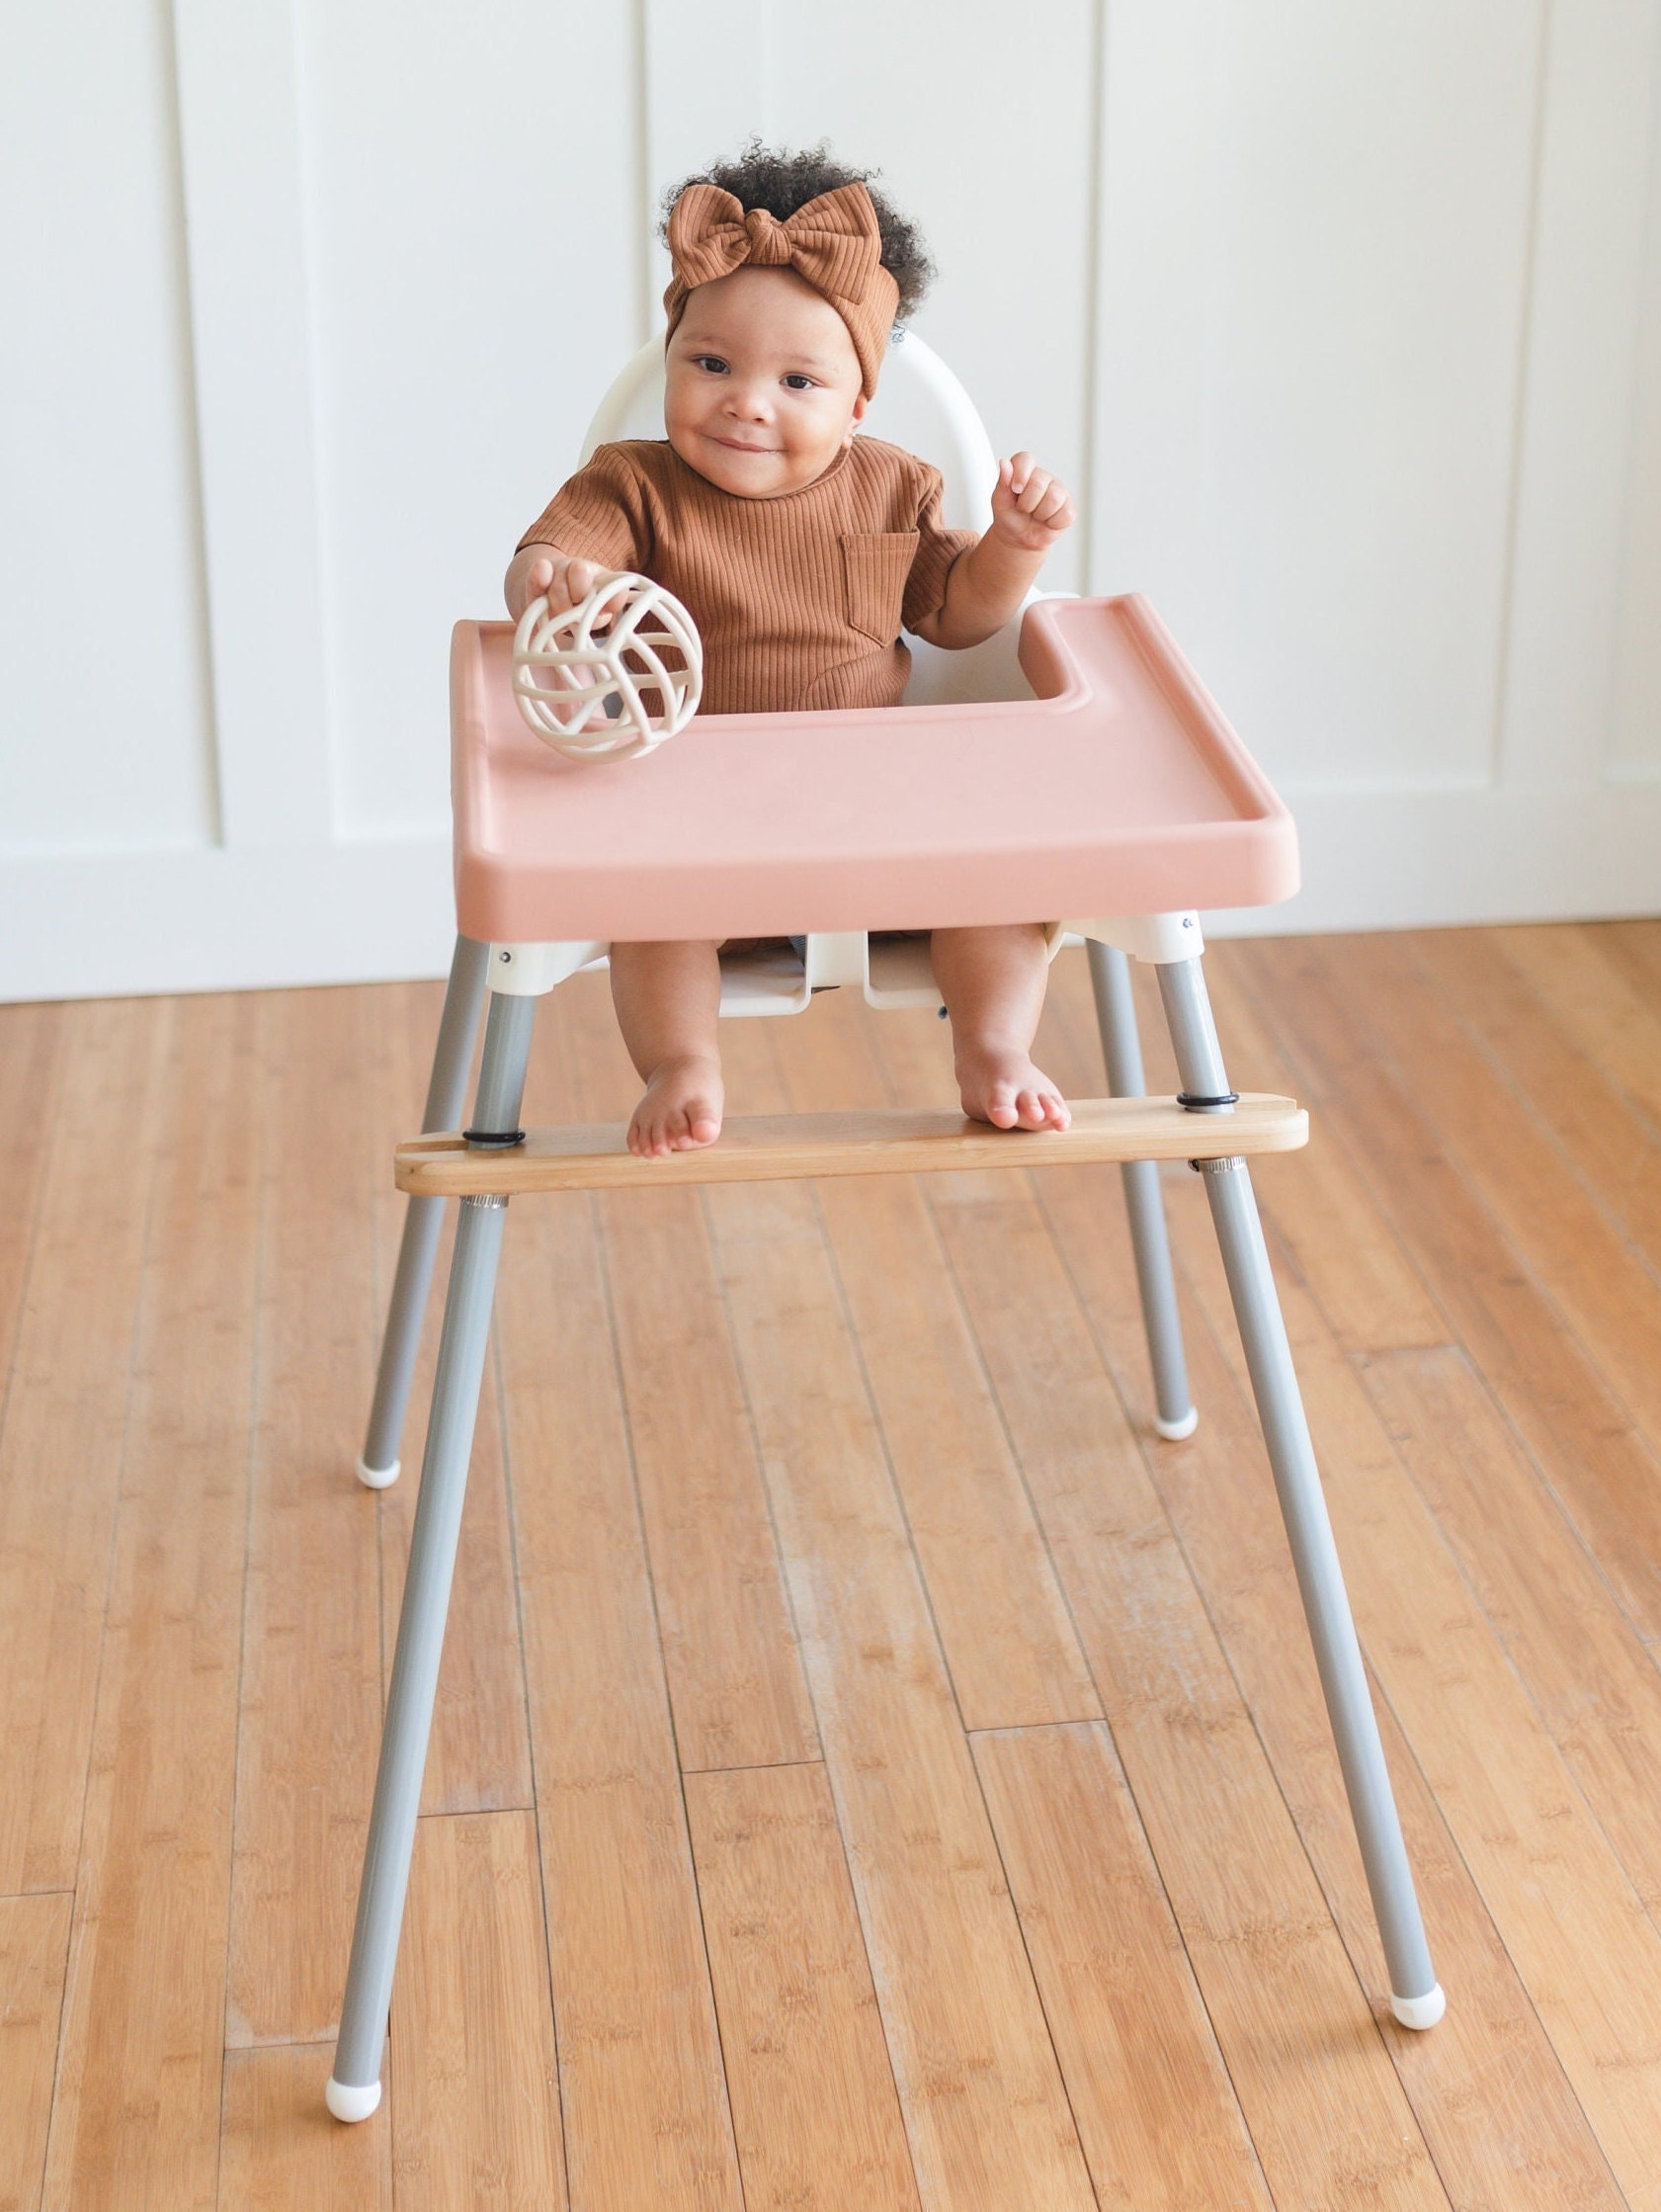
{"x": 1072, "y": 767}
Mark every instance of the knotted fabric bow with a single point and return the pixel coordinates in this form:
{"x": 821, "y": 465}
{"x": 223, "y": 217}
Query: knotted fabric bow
{"x": 833, "y": 244}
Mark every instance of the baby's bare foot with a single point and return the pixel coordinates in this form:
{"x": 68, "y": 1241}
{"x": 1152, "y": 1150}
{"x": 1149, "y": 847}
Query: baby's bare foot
{"x": 1000, "y": 1085}
{"x": 681, "y": 1108}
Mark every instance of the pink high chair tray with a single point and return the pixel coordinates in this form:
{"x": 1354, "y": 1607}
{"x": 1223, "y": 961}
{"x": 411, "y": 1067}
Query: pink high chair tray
{"x": 1118, "y": 790}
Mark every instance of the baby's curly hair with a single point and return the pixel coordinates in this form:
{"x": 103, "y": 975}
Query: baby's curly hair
{"x": 781, "y": 182}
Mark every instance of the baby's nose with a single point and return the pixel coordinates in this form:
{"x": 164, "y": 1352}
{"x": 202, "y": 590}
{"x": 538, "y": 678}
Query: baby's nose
{"x": 748, "y": 401}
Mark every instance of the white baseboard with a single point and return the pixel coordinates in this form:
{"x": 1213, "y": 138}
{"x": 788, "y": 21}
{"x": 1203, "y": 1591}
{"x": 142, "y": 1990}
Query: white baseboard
{"x": 101, "y": 926}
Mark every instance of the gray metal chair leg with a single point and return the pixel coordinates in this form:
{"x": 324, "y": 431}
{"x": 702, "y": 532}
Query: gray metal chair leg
{"x": 424, "y": 1217}
{"x": 1122, "y": 1050}
{"x": 354, "y": 2088}
{"x": 1416, "y": 1998}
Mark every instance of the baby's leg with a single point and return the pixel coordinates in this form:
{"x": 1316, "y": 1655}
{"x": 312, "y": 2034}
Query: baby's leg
{"x": 993, "y": 980}
{"x": 667, "y": 997}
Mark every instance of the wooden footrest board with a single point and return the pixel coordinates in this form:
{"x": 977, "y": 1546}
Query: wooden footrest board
{"x": 782, "y": 1148}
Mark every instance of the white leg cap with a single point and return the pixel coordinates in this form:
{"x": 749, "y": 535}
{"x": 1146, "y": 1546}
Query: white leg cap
{"x": 377, "y": 1477}
{"x": 351, "y": 2105}
{"x": 1419, "y": 2011}
{"x": 1177, "y": 1430}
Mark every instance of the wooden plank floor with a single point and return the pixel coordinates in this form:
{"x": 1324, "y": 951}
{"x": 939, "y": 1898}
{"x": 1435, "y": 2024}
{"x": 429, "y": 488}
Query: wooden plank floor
{"x": 872, "y": 1772}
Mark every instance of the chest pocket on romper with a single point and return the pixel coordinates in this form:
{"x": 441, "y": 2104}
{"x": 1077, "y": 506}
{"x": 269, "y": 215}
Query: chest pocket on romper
{"x": 874, "y": 569}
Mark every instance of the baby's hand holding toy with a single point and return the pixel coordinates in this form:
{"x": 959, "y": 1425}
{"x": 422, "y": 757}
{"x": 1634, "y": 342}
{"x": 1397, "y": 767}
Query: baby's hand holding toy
{"x": 543, "y": 572}
{"x": 1030, "y": 507}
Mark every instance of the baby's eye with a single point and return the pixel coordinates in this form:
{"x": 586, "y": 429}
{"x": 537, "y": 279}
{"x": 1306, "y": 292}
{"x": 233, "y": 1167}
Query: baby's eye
{"x": 711, "y": 360}
{"x": 796, "y": 381}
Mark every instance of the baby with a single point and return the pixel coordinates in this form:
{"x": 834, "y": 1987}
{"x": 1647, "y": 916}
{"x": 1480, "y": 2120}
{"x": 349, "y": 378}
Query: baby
{"x": 800, "y": 552}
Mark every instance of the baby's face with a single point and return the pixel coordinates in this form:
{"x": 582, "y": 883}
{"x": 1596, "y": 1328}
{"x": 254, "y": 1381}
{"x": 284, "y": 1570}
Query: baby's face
{"x": 763, "y": 384}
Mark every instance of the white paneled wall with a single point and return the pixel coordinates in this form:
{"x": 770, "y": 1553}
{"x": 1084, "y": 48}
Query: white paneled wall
{"x": 99, "y": 537}
{"x": 1346, "y": 322}
{"x": 1634, "y": 708}
{"x": 473, "y": 220}
{"x": 1312, "y": 294}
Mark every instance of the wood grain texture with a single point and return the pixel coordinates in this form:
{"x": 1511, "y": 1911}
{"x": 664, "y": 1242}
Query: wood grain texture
{"x": 1009, "y": 1643}
{"x": 1586, "y": 1441}
{"x": 882, "y": 1141}
{"x": 646, "y": 2117}
{"x": 282, "y": 2151}
{"x": 311, "y": 1688}
{"x": 1156, "y": 2112}
{"x": 1500, "y": 2135}
{"x": 1604, "y": 993}
{"x": 1612, "y": 1144}
{"x": 854, "y": 1464}
{"x": 1580, "y": 1259}
{"x": 985, "y": 2105}
{"x": 64, "y": 1422}
{"x": 1595, "y": 1687}
{"x": 814, "y": 2099}
{"x": 137, "y": 2108}
{"x": 1556, "y": 1889}
{"x": 1635, "y": 946}
{"x": 736, "y": 1684}
{"x": 34, "y": 1958}
{"x": 1321, "y": 2098}
{"x": 735, "y": 1680}
{"x": 30, "y": 1059}
{"x": 1374, "y": 1295}
{"x": 474, "y": 2093}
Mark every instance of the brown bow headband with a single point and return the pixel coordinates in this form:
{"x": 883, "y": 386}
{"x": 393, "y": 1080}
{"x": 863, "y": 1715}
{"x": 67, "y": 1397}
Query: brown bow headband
{"x": 833, "y": 244}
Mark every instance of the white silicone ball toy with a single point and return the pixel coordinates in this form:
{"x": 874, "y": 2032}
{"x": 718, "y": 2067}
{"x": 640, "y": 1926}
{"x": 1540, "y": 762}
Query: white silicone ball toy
{"x": 640, "y": 667}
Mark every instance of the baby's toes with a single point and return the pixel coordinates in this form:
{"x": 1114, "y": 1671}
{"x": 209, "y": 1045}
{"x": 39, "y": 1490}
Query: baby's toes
{"x": 695, "y": 1123}
{"x": 1028, "y": 1110}
{"x": 657, "y": 1123}
{"x": 1003, "y": 1106}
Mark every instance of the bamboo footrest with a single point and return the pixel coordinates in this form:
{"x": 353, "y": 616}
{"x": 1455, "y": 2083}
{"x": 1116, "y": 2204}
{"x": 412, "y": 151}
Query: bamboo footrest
{"x": 782, "y": 1147}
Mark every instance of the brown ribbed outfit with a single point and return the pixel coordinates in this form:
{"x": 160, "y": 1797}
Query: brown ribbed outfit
{"x": 799, "y": 600}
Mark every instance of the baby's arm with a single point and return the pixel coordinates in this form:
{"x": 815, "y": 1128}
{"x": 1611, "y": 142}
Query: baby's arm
{"x": 988, "y": 581}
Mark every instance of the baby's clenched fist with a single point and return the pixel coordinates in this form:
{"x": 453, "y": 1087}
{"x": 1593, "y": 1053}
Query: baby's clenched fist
{"x": 1030, "y": 507}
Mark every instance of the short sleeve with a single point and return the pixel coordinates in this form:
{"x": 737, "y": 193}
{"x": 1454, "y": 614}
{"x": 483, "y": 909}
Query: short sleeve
{"x": 599, "y": 514}
{"x": 936, "y": 548}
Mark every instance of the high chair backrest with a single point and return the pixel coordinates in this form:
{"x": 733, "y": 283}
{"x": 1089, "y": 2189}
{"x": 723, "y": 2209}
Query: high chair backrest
{"x": 920, "y": 406}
